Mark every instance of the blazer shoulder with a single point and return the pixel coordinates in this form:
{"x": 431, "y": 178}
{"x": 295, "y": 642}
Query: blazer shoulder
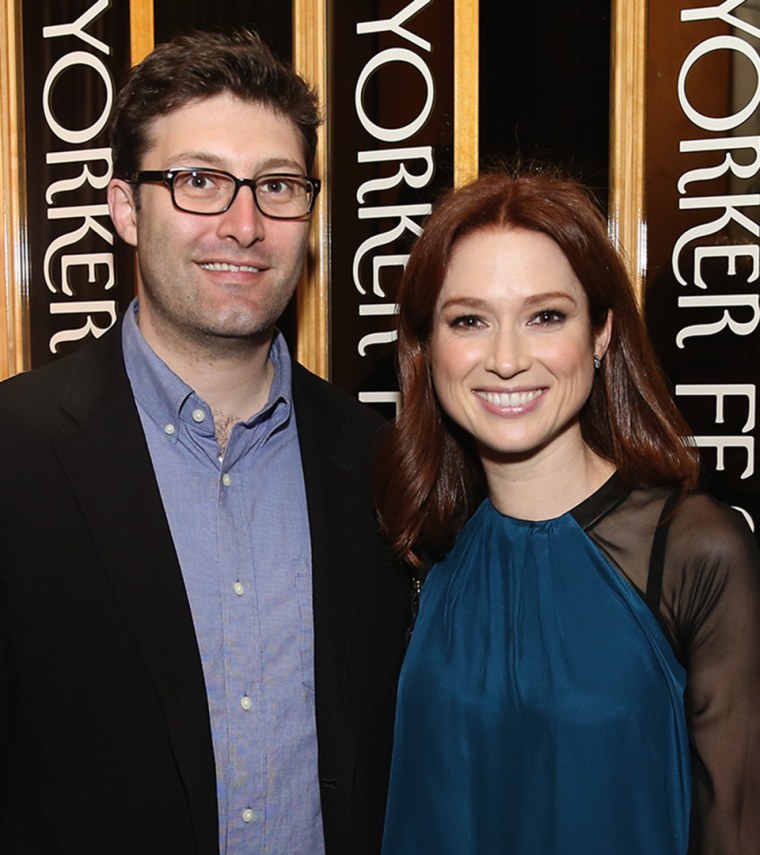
{"x": 37, "y": 391}
{"x": 67, "y": 385}
{"x": 315, "y": 396}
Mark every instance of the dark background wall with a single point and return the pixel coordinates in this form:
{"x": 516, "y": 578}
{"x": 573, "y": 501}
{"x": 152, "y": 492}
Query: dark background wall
{"x": 545, "y": 84}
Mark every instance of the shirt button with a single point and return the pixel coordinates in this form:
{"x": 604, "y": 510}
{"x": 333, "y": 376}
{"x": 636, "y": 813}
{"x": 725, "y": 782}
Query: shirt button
{"x": 226, "y": 479}
{"x": 170, "y": 430}
{"x": 246, "y": 703}
{"x": 248, "y": 815}
{"x": 199, "y": 416}
{"x": 239, "y": 589}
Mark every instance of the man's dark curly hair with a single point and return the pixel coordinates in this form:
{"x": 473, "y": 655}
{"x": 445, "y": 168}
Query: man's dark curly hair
{"x": 198, "y": 65}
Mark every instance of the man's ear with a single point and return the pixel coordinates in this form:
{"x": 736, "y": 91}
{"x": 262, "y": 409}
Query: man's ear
{"x": 123, "y": 210}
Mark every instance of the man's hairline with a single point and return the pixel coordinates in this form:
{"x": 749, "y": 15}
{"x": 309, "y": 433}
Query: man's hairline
{"x": 149, "y": 140}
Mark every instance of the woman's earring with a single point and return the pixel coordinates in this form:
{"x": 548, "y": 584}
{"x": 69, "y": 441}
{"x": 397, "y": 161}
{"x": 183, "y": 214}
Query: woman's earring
{"x": 597, "y": 362}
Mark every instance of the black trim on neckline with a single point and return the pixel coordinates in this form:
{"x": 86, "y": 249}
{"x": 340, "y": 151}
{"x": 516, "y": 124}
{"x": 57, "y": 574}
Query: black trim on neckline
{"x": 601, "y": 502}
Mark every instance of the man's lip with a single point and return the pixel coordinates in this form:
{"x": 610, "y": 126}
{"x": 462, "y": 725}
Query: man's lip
{"x": 511, "y": 399}
{"x": 232, "y": 266}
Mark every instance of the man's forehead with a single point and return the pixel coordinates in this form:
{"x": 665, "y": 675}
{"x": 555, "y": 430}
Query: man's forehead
{"x": 193, "y": 130}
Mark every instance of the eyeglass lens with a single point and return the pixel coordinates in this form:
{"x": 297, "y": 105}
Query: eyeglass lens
{"x": 208, "y": 192}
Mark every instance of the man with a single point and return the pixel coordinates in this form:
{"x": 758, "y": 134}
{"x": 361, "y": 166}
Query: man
{"x": 201, "y": 631}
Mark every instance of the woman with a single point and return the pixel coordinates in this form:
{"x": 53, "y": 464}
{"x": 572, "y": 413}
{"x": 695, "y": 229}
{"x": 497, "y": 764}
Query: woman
{"x": 584, "y": 673}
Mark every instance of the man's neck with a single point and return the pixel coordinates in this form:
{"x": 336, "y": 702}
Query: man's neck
{"x": 233, "y": 376}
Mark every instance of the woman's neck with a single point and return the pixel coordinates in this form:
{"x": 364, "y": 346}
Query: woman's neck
{"x": 533, "y": 489}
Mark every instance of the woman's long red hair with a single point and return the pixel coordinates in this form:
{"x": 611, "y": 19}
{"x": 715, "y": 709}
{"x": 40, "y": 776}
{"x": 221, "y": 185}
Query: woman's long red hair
{"x": 430, "y": 476}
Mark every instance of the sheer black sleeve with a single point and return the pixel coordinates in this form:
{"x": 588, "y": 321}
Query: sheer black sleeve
{"x": 709, "y": 607}
{"x": 711, "y": 601}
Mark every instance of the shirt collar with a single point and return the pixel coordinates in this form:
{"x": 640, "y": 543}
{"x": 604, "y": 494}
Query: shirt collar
{"x": 170, "y": 402}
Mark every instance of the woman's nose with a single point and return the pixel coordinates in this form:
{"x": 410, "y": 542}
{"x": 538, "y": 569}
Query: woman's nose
{"x": 507, "y": 354}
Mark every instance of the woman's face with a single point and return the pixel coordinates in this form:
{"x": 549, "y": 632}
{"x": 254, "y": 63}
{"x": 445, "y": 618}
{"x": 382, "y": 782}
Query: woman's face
{"x": 512, "y": 349}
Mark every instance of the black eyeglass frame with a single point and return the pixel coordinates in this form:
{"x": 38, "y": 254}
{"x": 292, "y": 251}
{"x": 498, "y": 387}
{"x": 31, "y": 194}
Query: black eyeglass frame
{"x": 167, "y": 176}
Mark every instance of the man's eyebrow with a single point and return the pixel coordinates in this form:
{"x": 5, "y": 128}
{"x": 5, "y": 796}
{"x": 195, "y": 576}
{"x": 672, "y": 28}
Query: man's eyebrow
{"x": 280, "y": 163}
{"x": 204, "y": 158}
{"x": 190, "y": 158}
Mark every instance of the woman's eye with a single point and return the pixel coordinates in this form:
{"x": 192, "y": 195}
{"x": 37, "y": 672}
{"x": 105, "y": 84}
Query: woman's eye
{"x": 548, "y": 317}
{"x": 466, "y": 322}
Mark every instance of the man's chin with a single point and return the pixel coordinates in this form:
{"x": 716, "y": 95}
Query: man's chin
{"x": 239, "y": 331}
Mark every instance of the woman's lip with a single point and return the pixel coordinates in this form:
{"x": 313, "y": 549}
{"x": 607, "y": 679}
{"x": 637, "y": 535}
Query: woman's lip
{"x": 509, "y": 400}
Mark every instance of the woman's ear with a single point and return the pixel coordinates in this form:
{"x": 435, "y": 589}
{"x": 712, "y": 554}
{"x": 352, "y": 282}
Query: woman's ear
{"x": 603, "y": 336}
{"x": 123, "y": 209}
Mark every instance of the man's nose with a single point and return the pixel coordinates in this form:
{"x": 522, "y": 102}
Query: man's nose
{"x": 242, "y": 221}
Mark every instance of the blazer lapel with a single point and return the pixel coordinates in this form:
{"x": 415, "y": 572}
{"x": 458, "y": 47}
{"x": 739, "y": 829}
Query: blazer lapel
{"x": 108, "y": 464}
{"x": 335, "y": 581}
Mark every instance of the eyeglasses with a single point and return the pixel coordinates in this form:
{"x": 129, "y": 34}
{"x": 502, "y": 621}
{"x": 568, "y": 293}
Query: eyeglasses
{"x": 212, "y": 191}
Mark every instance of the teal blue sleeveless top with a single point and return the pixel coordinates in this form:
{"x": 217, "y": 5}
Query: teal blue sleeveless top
{"x": 540, "y": 706}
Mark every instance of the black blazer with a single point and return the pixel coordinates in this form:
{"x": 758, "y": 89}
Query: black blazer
{"x": 104, "y": 727}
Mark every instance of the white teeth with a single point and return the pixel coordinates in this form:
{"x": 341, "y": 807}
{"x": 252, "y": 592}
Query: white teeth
{"x": 510, "y": 399}
{"x": 221, "y": 267}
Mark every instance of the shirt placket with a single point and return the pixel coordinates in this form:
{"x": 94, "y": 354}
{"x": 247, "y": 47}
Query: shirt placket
{"x": 246, "y": 749}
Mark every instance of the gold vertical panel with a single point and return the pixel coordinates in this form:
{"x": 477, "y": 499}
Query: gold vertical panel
{"x": 310, "y": 59}
{"x": 141, "y": 29}
{"x": 14, "y": 292}
{"x": 466, "y": 70}
{"x": 627, "y": 127}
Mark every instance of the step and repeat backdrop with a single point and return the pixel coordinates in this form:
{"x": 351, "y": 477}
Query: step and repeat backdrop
{"x": 415, "y": 95}
{"x": 418, "y": 94}
{"x": 702, "y": 233}
{"x": 78, "y": 276}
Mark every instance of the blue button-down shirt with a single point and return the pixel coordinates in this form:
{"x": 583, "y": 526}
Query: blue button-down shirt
{"x": 240, "y": 528}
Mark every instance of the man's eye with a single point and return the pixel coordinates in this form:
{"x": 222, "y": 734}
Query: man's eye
{"x": 278, "y": 187}
{"x": 197, "y": 182}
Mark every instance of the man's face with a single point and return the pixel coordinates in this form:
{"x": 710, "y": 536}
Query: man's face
{"x": 225, "y": 276}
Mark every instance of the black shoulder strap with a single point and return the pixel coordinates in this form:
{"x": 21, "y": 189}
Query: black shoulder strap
{"x": 657, "y": 558}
